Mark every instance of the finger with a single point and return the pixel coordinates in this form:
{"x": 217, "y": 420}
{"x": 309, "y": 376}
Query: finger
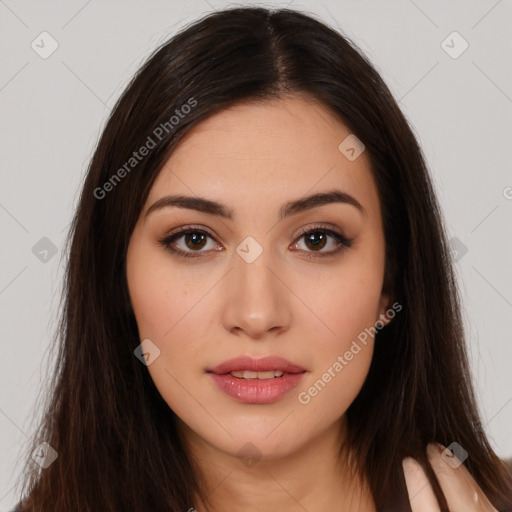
{"x": 419, "y": 489}
{"x": 459, "y": 487}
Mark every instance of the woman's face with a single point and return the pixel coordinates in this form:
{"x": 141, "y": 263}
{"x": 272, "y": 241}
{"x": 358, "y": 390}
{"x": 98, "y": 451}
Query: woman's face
{"x": 254, "y": 284}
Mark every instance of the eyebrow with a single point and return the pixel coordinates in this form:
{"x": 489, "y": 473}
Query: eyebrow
{"x": 290, "y": 208}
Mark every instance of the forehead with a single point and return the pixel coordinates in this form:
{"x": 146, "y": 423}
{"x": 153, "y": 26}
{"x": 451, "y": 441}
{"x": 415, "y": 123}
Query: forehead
{"x": 260, "y": 153}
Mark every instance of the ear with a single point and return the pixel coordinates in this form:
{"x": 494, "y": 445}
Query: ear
{"x": 383, "y": 317}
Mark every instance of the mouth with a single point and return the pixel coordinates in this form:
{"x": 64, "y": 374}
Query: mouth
{"x": 249, "y": 367}
{"x": 256, "y": 381}
{"x": 247, "y": 374}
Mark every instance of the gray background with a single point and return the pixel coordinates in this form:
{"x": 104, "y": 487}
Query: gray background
{"x": 52, "y": 111}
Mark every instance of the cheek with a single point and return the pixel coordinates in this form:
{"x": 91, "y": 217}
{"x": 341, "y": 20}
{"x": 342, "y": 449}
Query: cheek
{"x": 161, "y": 294}
{"x": 340, "y": 362}
{"x": 343, "y": 342}
{"x": 167, "y": 310}
{"x": 170, "y": 310}
{"x": 347, "y": 302}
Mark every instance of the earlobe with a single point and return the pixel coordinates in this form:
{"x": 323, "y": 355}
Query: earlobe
{"x": 384, "y": 307}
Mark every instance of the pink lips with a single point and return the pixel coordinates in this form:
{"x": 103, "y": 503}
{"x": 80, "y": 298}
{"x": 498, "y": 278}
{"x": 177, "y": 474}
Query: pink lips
{"x": 256, "y": 391}
{"x": 256, "y": 365}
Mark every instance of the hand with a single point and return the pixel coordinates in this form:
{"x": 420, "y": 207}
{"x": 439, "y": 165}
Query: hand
{"x": 462, "y": 492}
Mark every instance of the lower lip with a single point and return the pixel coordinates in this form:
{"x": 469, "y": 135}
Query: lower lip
{"x": 256, "y": 391}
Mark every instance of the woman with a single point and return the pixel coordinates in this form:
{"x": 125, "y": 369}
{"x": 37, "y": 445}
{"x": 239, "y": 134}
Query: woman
{"x": 260, "y": 308}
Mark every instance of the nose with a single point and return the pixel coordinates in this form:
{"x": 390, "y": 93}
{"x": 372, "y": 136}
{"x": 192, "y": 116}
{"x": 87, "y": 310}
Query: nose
{"x": 257, "y": 301}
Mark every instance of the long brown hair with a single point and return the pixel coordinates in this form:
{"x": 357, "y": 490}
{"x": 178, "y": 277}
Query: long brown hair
{"x": 118, "y": 448}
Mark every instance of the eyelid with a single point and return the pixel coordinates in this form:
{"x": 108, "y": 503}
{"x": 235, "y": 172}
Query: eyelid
{"x": 189, "y": 227}
{"x": 324, "y": 226}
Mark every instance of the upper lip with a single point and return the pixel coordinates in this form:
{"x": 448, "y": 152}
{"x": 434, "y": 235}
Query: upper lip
{"x": 263, "y": 364}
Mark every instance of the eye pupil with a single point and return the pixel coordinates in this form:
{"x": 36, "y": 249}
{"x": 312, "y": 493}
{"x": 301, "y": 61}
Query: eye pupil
{"x": 196, "y": 238}
{"x": 318, "y": 244}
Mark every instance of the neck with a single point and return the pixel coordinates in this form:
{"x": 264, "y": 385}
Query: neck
{"x": 317, "y": 477}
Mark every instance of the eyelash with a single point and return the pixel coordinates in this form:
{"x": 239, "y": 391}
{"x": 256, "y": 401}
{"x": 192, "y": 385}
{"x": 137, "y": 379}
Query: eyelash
{"x": 344, "y": 243}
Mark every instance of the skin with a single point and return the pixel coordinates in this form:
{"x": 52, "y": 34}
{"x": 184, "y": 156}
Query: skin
{"x": 201, "y": 311}
{"x": 460, "y": 489}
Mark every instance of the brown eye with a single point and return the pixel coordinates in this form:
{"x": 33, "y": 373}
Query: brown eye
{"x": 316, "y": 239}
{"x": 194, "y": 240}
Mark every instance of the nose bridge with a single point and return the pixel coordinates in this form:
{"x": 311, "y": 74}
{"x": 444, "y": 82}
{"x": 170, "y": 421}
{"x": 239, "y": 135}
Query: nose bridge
{"x": 252, "y": 268}
{"x": 256, "y": 301}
